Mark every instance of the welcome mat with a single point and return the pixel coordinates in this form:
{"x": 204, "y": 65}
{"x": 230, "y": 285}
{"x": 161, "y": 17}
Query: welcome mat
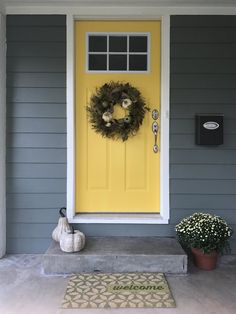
{"x": 126, "y": 290}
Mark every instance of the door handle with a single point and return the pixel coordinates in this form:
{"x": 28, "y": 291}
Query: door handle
{"x": 155, "y": 131}
{"x": 155, "y": 127}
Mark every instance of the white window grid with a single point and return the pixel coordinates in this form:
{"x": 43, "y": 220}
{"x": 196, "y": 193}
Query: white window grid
{"x": 108, "y": 53}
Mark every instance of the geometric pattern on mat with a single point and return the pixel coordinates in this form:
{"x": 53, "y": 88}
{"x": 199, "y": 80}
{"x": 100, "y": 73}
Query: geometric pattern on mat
{"x": 118, "y": 290}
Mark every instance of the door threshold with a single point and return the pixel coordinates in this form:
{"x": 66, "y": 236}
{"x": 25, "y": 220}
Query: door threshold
{"x": 119, "y": 218}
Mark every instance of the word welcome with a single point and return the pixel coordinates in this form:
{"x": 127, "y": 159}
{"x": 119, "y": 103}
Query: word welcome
{"x": 135, "y": 287}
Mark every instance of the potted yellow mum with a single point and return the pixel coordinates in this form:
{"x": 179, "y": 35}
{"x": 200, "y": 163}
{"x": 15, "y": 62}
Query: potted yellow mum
{"x": 206, "y": 235}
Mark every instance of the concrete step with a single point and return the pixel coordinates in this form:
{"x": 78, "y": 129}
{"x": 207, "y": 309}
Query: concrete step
{"x": 118, "y": 254}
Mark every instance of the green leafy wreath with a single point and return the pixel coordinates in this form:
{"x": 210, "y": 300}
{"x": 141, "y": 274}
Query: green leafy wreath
{"x": 101, "y": 109}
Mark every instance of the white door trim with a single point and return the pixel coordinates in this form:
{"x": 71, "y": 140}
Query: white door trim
{"x": 70, "y": 110}
{"x": 161, "y": 218}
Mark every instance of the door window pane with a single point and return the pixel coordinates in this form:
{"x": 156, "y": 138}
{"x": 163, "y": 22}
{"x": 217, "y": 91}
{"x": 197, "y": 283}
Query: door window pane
{"x": 118, "y": 62}
{"x": 138, "y": 62}
{"x": 113, "y": 52}
{"x": 97, "y": 63}
{"x": 97, "y": 43}
{"x": 138, "y": 44}
{"x": 118, "y": 43}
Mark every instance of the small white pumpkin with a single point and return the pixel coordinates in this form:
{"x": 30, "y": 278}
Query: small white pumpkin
{"x": 73, "y": 241}
{"x": 63, "y": 226}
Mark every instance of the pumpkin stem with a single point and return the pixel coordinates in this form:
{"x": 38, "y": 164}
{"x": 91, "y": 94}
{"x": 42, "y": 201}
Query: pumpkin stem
{"x": 62, "y": 212}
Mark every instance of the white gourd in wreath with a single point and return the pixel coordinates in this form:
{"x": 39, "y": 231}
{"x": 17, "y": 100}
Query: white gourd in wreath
{"x": 63, "y": 226}
{"x": 73, "y": 241}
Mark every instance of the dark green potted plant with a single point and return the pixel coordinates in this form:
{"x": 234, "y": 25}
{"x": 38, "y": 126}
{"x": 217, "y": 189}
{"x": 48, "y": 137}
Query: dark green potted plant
{"x": 206, "y": 235}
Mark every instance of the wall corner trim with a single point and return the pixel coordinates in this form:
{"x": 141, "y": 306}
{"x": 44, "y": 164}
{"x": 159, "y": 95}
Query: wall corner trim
{"x": 2, "y": 135}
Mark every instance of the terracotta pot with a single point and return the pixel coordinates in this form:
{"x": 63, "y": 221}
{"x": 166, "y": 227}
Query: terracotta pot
{"x": 205, "y": 261}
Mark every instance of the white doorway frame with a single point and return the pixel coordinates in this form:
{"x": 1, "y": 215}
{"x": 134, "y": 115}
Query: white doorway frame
{"x": 163, "y": 216}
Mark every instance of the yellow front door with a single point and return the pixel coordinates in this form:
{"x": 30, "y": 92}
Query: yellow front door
{"x": 114, "y": 176}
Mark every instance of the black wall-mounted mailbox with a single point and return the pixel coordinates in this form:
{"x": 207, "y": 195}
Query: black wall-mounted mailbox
{"x": 209, "y": 129}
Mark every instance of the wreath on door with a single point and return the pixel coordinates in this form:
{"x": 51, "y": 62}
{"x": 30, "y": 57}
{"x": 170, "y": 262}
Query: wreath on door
{"x": 101, "y": 110}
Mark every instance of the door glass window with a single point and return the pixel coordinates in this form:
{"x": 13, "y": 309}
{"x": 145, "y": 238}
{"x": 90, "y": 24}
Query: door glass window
{"x": 116, "y": 52}
{"x": 97, "y": 43}
{"x": 118, "y": 44}
{"x": 117, "y": 62}
{"x": 97, "y": 62}
{"x": 138, "y": 61}
{"x": 138, "y": 44}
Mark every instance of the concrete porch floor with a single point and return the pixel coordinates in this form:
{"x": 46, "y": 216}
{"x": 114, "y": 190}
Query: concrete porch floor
{"x": 25, "y": 290}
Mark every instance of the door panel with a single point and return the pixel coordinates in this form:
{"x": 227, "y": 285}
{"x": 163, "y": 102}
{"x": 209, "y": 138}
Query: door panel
{"x": 115, "y": 176}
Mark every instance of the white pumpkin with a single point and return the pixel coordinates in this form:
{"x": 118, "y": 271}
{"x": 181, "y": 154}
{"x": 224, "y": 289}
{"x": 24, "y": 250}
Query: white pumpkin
{"x": 72, "y": 241}
{"x": 63, "y": 226}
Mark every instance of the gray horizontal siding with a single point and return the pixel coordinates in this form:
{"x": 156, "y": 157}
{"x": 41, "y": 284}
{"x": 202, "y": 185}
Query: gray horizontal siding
{"x": 205, "y": 156}
{"x": 203, "y": 50}
{"x": 204, "y": 65}
{"x": 35, "y": 20}
{"x": 36, "y": 140}
{"x": 203, "y": 171}
{"x": 28, "y": 200}
{"x": 30, "y": 230}
{"x": 36, "y": 155}
{"x": 203, "y": 21}
{"x": 185, "y": 110}
{"x": 42, "y": 80}
{"x": 32, "y": 185}
{"x": 36, "y": 170}
{"x": 29, "y": 94}
{"x": 36, "y": 130}
{"x": 36, "y": 110}
{"x": 208, "y": 35}
{"x": 203, "y": 78}
{"x": 36, "y": 34}
{"x": 213, "y": 187}
{"x": 36, "y": 49}
{"x": 187, "y": 141}
{"x": 39, "y": 125}
{"x": 36, "y": 64}
{"x": 200, "y": 95}
{"x": 206, "y": 200}
{"x": 32, "y": 216}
